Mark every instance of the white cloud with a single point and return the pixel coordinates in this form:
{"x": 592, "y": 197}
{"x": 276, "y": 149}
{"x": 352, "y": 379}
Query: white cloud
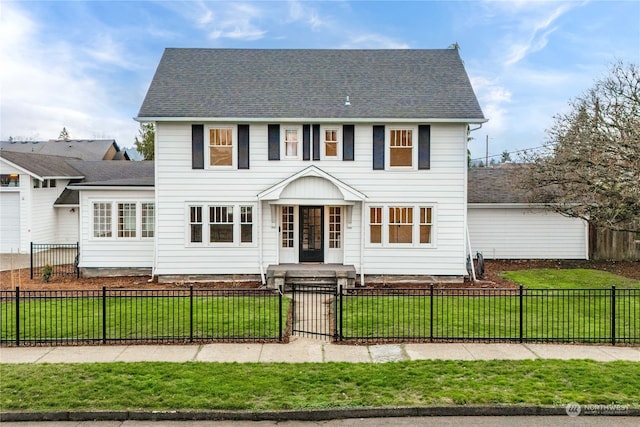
{"x": 493, "y": 98}
{"x": 48, "y": 85}
{"x": 371, "y": 41}
{"x": 235, "y": 20}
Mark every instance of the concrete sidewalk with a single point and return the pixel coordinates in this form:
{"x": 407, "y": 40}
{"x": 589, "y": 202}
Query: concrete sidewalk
{"x": 302, "y": 350}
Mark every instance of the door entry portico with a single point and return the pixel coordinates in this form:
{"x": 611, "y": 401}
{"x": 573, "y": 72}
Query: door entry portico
{"x": 311, "y": 234}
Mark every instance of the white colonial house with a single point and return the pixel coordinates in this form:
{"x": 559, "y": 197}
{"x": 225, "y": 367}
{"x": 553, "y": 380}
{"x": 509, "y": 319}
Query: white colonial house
{"x": 351, "y": 158}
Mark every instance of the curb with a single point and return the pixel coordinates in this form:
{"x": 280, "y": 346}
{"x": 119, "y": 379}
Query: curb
{"x": 301, "y": 415}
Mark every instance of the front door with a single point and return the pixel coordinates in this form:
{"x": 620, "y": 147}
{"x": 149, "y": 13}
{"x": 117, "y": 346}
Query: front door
{"x": 311, "y": 234}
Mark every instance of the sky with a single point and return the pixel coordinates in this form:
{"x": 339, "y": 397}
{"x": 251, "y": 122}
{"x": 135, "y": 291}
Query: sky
{"x": 86, "y": 65}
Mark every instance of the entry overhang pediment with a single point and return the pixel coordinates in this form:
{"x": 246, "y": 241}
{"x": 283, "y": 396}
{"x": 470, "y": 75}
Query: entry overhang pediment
{"x": 348, "y": 193}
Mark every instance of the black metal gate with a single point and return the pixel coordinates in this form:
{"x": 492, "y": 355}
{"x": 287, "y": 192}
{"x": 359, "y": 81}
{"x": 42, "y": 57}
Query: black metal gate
{"x": 314, "y": 310}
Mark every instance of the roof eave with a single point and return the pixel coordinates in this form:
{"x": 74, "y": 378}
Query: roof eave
{"x": 111, "y": 187}
{"x": 311, "y": 119}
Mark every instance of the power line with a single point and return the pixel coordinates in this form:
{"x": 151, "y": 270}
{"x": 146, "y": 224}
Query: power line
{"x": 509, "y": 152}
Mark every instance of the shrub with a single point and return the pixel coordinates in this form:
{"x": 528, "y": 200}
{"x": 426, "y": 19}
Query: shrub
{"x": 47, "y": 271}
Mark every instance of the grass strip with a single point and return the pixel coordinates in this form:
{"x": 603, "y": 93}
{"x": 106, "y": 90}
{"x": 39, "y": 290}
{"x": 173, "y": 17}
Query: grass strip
{"x": 574, "y": 278}
{"x": 232, "y": 386}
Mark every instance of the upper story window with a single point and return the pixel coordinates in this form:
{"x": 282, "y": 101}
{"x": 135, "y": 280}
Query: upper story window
{"x": 221, "y": 146}
{"x": 291, "y": 142}
{"x": 331, "y": 148}
{"x": 401, "y": 148}
{"x": 10, "y": 180}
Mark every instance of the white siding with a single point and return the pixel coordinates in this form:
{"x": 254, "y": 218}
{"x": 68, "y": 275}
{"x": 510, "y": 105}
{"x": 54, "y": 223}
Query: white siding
{"x": 112, "y": 252}
{"x": 24, "y": 199}
{"x": 442, "y": 186}
{"x": 67, "y": 224}
{"x": 43, "y": 215}
{"x": 522, "y": 233}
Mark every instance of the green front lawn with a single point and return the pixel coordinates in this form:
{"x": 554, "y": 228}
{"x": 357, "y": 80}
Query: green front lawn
{"x": 260, "y": 387}
{"x": 145, "y": 318}
{"x": 577, "y": 278}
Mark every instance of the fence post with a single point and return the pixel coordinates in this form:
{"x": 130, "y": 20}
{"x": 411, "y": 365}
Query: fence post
{"x": 431, "y": 312}
{"x": 31, "y": 261}
{"x": 613, "y": 315}
{"x": 104, "y": 314}
{"x": 190, "y": 313}
{"x": 521, "y": 312}
{"x": 338, "y": 314}
{"x": 280, "y": 314}
{"x": 77, "y": 257}
{"x": 17, "y": 316}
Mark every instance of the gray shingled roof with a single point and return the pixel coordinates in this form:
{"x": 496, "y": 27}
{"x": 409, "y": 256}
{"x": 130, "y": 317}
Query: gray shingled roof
{"x": 85, "y": 149}
{"x": 496, "y": 185}
{"x": 110, "y": 173}
{"x": 43, "y": 165}
{"x": 255, "y": 83}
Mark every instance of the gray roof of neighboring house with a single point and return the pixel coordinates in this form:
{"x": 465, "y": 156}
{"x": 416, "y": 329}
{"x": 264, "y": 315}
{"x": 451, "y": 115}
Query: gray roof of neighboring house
{"x": 270, "y": 83}
{"x": 85, "y": 149}
{"x": 43, "y": 165}
{"x": 496, "y": 185}
{"x": 107, "y": 173}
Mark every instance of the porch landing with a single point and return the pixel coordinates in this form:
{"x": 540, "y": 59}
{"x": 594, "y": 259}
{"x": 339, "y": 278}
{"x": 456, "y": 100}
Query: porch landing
{"x": 313, "y": 273}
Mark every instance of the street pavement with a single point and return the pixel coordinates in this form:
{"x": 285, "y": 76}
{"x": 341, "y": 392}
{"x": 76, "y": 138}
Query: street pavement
{"x": 302, "y": 350}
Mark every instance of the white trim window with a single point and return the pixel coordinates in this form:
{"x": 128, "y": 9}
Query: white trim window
{"x": 127, "y": 219}
{"x": 148, "y": 219}
{"x": 227, "y": 225}
{"x": 331, "y": 143}
{"x": 291, "y": 142}
{"x": 221, "y": 147}
{"x": 401, "y": 226}
{"x": 195, "y": 224}
{"x": 335, "y": 227}
{"x": 246, "y": 224}
{"x": 220, "y": 224}
{"x": 102, "y": 220}
{"x": 288, "y": 231}
{"x": 402, "y": 148}
{"x": 123, "y": 219}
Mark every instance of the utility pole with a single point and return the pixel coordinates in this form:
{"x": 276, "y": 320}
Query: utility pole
{"x": 486, "y": 152}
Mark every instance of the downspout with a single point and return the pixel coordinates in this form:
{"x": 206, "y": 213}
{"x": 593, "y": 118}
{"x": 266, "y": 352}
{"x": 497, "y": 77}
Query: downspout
{"x": 260, "y": 226}
{"x": 362, "y": 240}
{"x": 473, "y": 269}
{"x": 156, "y": 241}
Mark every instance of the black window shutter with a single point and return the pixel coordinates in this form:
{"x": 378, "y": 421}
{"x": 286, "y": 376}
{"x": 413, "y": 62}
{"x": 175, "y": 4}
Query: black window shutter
{"x": 378, "y": 147}
{"x": 348, "y": 142}
{"x": 197, "y": 146}
{"x": 243, "y": 146}
{"x": 424, "y": 147}
{"x": 306, "y": 142}
{"x": 274, "y": 142}
{"x": 316, "y": 142}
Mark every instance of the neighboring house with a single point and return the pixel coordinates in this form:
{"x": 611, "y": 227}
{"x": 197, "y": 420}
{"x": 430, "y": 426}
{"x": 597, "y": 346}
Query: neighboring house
{"x": 35, "y": 205}
{"x": 504, "y": 224}
{"x": 282, "y": 157}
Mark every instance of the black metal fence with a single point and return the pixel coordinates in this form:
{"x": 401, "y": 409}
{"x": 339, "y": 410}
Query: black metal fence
{"x": 116, "y": 315}
{"x": 606, "y": 315}
{"x": 59, "y": 258}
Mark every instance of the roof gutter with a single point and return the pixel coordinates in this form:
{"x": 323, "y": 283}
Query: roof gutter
{"x": 111, "y": 187}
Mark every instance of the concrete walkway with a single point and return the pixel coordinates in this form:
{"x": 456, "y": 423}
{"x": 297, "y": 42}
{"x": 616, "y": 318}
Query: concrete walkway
{"x": 307, "y": 350}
